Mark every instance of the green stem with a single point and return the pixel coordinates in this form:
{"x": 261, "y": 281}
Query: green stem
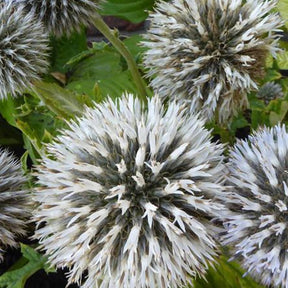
{"x": 123, "y": 50}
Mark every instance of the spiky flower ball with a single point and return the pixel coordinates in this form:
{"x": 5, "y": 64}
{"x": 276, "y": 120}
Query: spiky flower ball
{"x": 23, "y": 49}
{"x": 62, "y": 17}
{"x": 127, "y": 195}
{"x": 15, "y": 205}
{"x": 210, "y": 52}
{"x": 258, "y": 225}
{"x": 270, "y": 91}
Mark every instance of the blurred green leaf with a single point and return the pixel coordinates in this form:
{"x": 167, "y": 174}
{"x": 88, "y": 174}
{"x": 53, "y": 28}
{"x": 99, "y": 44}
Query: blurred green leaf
{"x": 272, "y": 75}
{"x": 282, "y": 60}
{"x": 238, "y": 122}
{"x": 59, "y": 100}
{"x": 134, "y": 46}
{"x": 24, "y": 268}
{"x": 259, "y": 113}
{"x": 8, "y": 109}
{"x": 9, "y": 136}
{"x": 283, "y": 9}
{"x": 63, "y": 49}
{"x": 226, "y": 275}
{"x": 275, "y": 118}
{"x": 132, "y": 10}
{"x": 24, "y": 161}
{"x": 100, "y": 74}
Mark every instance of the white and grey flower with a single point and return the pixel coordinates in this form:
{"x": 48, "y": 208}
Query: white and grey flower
{"x": 257, "y": 227}
{"x": 62, "y": 17}
{"x": 270, "y": 91}
{"x": 210, "y": 52}
{"x": 15, "y": 203}
{"x": 127, "y": 194}
{"x": 23, "y": 49}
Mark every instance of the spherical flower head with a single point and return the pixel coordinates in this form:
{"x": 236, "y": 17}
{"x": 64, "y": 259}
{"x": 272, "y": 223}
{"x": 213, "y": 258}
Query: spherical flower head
{"x": 270, "y": 91}
{"x": 62, "y": 17}
{"x": 210, "y": 52}
{"x": 127, "y": 194}
{"x": 15, "y": 205}
{"x": 257, "y": 226}
{"x": 23, "y": 49}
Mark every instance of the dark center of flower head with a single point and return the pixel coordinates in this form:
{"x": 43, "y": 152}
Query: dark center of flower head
{"x": 217, "y": 37}
{"x": 138, "y": 184}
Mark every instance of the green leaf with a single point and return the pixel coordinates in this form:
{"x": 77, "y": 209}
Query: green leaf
{"x": 272, "y": 75}
{"x": 133, "y": 44}
{"x": 9, "y": 135}
{"x": 275, "y": 118}
{"x": 59, "y": 100}
{"x": 8, "y": 110}
{"x": 282, "y": 59}
{"x": 238, "y": 122}
{"x": 23, "y": 161}
{"x": 283, "y": 9}
{"x": 226, "y": 275}
{"x": 19, "y": 273}
{"x": 37, "y": 123}
{"x": 259, "y": 113}
{"x": 100, "y": 75}
{"x": 132, "y": 10}
{"x": 65, "y": 48}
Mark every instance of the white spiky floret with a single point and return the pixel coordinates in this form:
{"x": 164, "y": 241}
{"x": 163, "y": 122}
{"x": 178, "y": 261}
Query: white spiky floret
{"x": 15, "y": 202}
{"x": 270, "y": 91}
{"x": 128, "y": 194}
{"x": 257, "y": 225}
{"x": 210, "y": 52}
{"x": 23, "y": 49}
{"x": 62, "y": 17}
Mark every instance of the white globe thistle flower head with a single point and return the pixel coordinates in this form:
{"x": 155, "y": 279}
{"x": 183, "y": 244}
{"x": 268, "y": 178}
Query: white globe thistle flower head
{"x": 23, "y": 49}
{"x": 257, "y": 227}
{"x": 15, "y": 202}
{"x": 62, "y": 17}
{"x": 128, "y": 193}
{"x": 270, "y": 91}
{"x": 210, "y": 52}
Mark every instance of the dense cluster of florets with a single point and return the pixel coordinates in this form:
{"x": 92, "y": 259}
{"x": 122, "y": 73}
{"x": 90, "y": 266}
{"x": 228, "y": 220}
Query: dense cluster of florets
{"x": 270, "y": 91}
{"x": 128, "y": 196}
{"x": 257, "y": 226}
{"x": 210, "y": 52}
{"x": 15, "y": 205}
{"x": 23, "y": 49}
{"x": 62, "y": 17}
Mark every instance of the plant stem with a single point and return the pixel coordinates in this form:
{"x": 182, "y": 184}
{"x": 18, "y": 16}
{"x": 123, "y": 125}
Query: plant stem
{"x": 123, "y": 50}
